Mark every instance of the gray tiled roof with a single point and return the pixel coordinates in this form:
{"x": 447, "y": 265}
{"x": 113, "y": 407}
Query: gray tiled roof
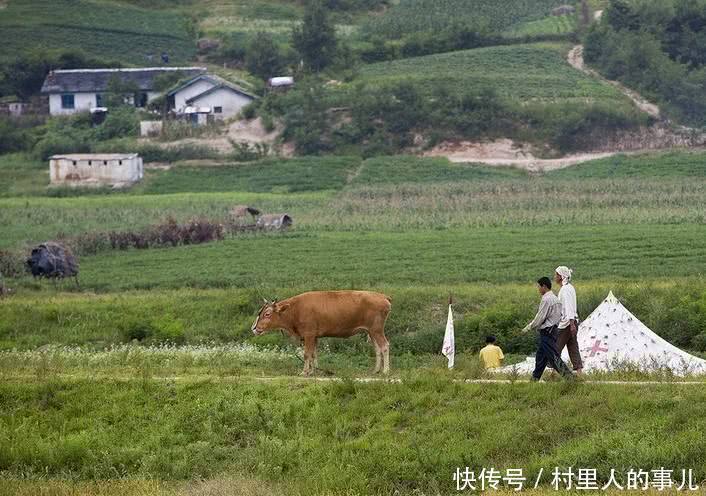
{"x": 96, "y": 80}
{"x": 218, "y": 82}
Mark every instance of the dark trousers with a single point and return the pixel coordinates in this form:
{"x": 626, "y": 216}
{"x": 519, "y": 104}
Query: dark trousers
{"x": 570, "y": 340}
{"x": 547, "y": 354}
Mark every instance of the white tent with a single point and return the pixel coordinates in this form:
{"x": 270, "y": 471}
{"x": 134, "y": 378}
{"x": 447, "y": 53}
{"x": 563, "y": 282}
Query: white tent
{"x": 612, "y": 336}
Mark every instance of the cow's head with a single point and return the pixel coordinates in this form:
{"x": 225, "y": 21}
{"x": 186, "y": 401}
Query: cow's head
{"x": 269, "y": 317}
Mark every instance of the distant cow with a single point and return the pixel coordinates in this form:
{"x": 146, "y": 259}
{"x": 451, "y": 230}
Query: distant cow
{"x": 340, "y": 314}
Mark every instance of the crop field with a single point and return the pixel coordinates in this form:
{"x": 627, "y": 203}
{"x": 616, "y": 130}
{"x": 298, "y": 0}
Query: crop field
{"x": 222, "y": 17}
{"x": 410, "y": 16}
{"x": 147, "y": 379}
{"x": 523, "y": 72}
{"x": 548, "y": 25}
{"x": 102, "y": 29}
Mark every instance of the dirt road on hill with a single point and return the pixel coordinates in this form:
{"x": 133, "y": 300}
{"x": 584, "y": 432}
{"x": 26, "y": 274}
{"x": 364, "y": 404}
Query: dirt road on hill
{"x": 505, "y": 152}
{"x": 575, "y": 59}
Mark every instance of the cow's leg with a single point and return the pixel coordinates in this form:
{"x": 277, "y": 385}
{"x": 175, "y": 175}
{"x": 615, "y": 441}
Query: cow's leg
{"x": 383, "y": 348}
{"x": 378, "y": 355}
{"x": 309, "y": 352}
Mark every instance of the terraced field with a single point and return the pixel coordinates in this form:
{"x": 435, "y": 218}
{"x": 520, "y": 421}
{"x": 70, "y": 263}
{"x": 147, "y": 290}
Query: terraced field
{"x": 524, "y": 72}
{"x": 548, "y": 26}
{"x": 107, "y": 30}
{"x": 410, "y": 16}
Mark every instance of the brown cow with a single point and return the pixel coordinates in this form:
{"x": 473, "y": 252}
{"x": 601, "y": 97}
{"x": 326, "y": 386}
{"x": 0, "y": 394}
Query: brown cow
{"x": 340, "y": 314}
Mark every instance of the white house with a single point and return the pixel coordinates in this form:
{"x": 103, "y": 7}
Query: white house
{"x": 210, "y": 94}
{"x": 99, "y": 169}
{"x": 77, "y": 90}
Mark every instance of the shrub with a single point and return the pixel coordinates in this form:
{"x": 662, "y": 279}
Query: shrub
{"x": 133, "y": 328}
{"x": 167, "y": 329}
{"x": 12, "y": 263}
{"x": 121, "y": 122}
{"x": 264, "y": 58}
{"x": 250, "y": 110}
{"x": 12, "y": 137}
{"x": 248, "y": 152}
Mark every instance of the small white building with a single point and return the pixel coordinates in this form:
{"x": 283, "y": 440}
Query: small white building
{"x": 77, "y": 90}
{"x": 96, "y": 169}
{"x": 210, "y": 94}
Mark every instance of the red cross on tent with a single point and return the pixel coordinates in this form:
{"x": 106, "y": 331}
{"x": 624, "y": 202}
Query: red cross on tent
{"x": 597, "y": 347}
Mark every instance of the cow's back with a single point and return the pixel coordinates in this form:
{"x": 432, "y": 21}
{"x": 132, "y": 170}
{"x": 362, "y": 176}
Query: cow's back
{"x": 339, "y": 312}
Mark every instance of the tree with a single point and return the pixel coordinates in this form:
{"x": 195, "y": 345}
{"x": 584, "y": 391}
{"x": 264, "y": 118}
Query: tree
{"x": 263, "y": 57}
{"x": 620, "y": 15}
{"x": 315, "y": 38}
{"x": 121, "y": 92}
{"x": 24, "y": 74}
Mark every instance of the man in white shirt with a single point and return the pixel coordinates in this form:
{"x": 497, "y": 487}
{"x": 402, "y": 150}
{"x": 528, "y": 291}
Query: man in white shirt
{"x": 545, "y": 321}
{"x": 568, "y": 326}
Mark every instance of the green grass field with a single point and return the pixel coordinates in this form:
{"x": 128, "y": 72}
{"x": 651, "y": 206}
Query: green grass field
{"x": 147, "y": 379}
{"x": 520, "y": 72}
{"x": 340, "y": 438}
{"x": 547, "y": 26}
{"x": 105, "y": 30}
{"x": 409, "y": 16}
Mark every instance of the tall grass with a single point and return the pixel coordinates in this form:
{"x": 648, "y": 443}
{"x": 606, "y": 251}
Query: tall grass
{"x": 45, "y": 316}
{"x": 341, "y": 438}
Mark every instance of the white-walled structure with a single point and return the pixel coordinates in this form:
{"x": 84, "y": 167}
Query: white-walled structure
{"x": 221, "y": 98}
{"x": 77, "y": 90}
{"x": 100, "y": 169}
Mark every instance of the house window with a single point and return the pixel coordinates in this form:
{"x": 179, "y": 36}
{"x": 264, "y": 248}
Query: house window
{"x": 141, "y": 100}
{"x": 217, "y": 110}
{"x": 67, "y": 101}
{"x": 99, "y": 100}
{"x": 74, "y": 163}
{"x": 120, "y": 162}
{"x": 105, "y": 162}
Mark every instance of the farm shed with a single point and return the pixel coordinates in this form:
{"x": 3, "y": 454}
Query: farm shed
{"x": 280, "y": 83}
{"x": 12, "y": 106}
{"x": 101, "y": 169}
{"x": 275, "y": 221}
{"x": 77, "y": 90}
{"x": 219, "y": 98}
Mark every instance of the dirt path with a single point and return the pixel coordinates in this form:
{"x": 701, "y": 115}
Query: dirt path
{"x": 252, "y": 131}
{"x": 575, "y": 59}
{"x": 506, "y": 153}
{"x": 300, "y": 379}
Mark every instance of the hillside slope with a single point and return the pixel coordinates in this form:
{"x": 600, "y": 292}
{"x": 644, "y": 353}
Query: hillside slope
{"x": 105, "y": 30}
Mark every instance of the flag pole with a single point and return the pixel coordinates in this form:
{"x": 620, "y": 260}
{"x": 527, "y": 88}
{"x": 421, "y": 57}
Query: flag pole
{"x": 448, "y": 348}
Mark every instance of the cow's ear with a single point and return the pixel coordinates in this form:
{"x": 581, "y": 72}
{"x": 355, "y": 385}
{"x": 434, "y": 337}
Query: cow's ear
{"x": 281, "y": 307}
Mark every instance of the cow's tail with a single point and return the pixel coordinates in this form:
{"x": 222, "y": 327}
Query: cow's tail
{"x": 389, "y": 302}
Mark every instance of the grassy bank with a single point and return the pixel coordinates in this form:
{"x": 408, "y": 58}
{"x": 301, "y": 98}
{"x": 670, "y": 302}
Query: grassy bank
{"x": 345, "y": 437}
{"x": 31, "y": 319}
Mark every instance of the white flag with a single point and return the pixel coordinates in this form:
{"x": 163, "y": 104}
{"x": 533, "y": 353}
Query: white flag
{"x": 449, "y": 347}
